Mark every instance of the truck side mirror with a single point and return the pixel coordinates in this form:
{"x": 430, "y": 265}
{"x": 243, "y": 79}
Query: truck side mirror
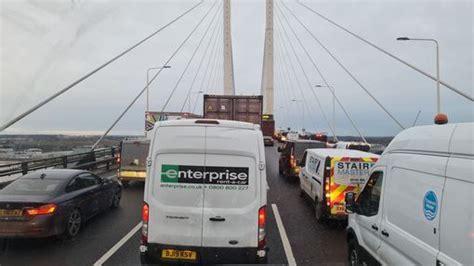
{"x": 351, "y": 205}
{"x": 279, "y": 149}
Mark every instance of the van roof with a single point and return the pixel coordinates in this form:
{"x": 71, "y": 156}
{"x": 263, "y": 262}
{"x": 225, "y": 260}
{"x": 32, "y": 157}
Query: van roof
{"x": 449, "y": 138}
{"x": 343, "y": 153}
{"x": 209, "y": 122}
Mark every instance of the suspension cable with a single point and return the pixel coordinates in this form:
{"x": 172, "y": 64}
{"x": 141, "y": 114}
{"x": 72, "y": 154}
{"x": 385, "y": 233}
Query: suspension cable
{"x": 211, "y": 37}
{"x": 321, "y": 74}
{"x": 387, "y": 53}
{"x": 153, "y": 78}
{"x": 345, "y": 68}
{"x": 70, "y": 86}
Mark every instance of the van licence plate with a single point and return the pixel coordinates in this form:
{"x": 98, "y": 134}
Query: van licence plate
{"x": 10, "y": 213}
{"x": 178, "y": 254}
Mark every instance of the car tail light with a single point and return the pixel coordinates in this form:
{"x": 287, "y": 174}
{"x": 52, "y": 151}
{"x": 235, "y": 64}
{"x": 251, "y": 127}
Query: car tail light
{"x": 44, "y": 209}
{"x": 262, "y": 217}
{"x": 145, "y": 218}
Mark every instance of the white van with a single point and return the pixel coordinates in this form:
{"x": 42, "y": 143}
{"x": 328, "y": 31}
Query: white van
{"x": 328, "y": 174}
{"x": 204, "y": 200}
{"x": 417, "y": 207}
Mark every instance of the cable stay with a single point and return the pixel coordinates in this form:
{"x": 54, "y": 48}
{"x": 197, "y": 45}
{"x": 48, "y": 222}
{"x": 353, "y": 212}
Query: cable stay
{"x": 72, "y": 85}
{"x": 189, "y": 62}
{"x": 153, "y": 78}
{"x": 388, "y": 53}
{"x": 307, "y": 80}
{"x": 211, "y": 39}
{"x": 345, "y": 69}
{"x": 212, "y": 54}
{"x": 321, "y": 75}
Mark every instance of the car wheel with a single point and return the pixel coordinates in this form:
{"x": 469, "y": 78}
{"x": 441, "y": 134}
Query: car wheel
{"x": 318, "y": 211}
{"x": 353, "y": 253}
{"x": 73, "y": 224}
{"x": 116, "y": 200}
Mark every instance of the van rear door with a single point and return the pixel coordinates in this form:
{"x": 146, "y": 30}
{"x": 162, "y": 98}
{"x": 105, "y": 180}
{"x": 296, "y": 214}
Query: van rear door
{"x": 175, "y": 192}
{"x": 347, "y": 174}
{"x": 233, "y": 196}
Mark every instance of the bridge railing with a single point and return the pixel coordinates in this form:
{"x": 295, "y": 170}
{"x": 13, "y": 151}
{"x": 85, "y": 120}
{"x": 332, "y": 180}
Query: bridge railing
{"x": 105, "y": 158}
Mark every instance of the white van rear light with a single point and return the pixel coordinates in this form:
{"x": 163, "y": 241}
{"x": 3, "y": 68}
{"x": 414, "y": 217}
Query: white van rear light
{"x": 262, "y": 217}
{"x": 145, "y": 217}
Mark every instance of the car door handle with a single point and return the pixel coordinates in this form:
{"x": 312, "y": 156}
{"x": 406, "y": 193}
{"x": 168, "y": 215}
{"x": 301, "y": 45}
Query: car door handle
{"x": 375, "y": 227}
{"x": 385, "y": 233}
{"x": 217, "y": 219}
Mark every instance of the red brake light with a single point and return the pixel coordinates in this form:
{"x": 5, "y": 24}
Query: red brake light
{"x": 145, "y": 217}
{"x": 44, "y": 209}
{"x": 145, "y": 213}
{"x": 262, "y": 217}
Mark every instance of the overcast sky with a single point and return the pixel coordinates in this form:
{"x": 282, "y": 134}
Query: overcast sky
{"x": 46, "y": 45}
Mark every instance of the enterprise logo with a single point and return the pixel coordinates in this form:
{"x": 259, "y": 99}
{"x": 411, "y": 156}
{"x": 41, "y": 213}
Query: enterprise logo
{"x": 217, "y": 175}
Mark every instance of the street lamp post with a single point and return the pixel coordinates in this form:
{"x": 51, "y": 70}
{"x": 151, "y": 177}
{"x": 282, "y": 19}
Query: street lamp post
{"x": 333, "y": 91}
{"x": 148, "y": 85}
{"x": 189, "y": 98}
{"x": 438, "y": 93}
{"x": 296, "y": 101}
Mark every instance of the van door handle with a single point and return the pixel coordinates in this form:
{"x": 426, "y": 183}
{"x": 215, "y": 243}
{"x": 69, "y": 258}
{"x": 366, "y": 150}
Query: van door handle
{"x": 217, "y": 219}
{"x": 385, "y": 233}
{"x": 375, "y": 227}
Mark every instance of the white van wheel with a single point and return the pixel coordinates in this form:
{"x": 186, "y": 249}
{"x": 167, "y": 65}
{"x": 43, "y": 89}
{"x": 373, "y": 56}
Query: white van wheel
{"x": 353, "y": 254}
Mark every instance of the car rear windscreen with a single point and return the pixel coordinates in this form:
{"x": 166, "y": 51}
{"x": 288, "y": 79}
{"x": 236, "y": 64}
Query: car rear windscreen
{"x": 25, "y": 186}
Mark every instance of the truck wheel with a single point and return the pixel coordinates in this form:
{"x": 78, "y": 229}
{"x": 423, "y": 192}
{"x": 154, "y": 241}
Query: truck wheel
{"x": 318, "y": 211}
{"x": 146, "y": 260}
{"x": 353, "y": 253}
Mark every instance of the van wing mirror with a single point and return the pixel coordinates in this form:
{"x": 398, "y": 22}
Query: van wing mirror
{"x": 351, "y": 205}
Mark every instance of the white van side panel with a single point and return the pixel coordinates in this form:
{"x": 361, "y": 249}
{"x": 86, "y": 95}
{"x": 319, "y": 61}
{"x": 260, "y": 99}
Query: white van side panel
{"x": 413, "y": 238}
{"x": 237, "y": 204}
{"x": 175, "y": 208}
{"x": 457, "y": 219}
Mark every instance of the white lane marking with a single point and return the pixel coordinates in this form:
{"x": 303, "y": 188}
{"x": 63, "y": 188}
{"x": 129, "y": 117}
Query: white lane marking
{"x": 114, "y": 249}
{"x": 284, "y": 237}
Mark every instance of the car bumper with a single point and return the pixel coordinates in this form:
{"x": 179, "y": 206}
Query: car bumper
{"x": 40, "y": 226}
{"x": 205, "y": 255}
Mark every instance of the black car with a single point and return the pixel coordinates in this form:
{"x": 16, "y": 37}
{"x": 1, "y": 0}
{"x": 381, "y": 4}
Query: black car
{"x": 54, "y": 202}
{"x": 291, "y": 153}
{"x": 267, "y": 141}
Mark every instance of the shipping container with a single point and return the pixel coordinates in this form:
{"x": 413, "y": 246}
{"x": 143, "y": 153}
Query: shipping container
{"x": 234, "y": 107}
{"x": 268, "y": 125}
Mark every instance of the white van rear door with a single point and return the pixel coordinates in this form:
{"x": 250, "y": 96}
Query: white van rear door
{"x": 175, "y": 193}
{"x": 232, "y": 199}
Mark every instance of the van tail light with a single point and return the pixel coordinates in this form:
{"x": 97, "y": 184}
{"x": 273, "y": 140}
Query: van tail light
{"x": 292, "y": 161}
{"x": 44, "y": 209}
{"x": 119, "y": 158}
{"x": 262, "y": 217}
{"x": 327, "y": 190}
{"x": 145, "y": 218}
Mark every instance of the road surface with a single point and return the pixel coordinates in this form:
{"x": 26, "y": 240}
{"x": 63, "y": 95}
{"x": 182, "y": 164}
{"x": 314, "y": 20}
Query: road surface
{"x": 293, "y": 235}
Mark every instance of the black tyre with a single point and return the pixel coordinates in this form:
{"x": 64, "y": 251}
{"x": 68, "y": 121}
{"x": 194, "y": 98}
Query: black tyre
{"x": 116, "y": 200}
{"x": 301, "y": 192}
{"x": 73, "y": 224}
{"x": 146, "y": 260}
{"x": 353, "y": 254}
{"x": 125, "y": 183}
{"x": 319, "y": 211}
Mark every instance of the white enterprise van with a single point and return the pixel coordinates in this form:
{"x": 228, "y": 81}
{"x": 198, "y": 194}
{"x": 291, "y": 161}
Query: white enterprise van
{"x": 417, "y": 207}
{"x": 328, "y": 174}
{"x": 205, "y": 195}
